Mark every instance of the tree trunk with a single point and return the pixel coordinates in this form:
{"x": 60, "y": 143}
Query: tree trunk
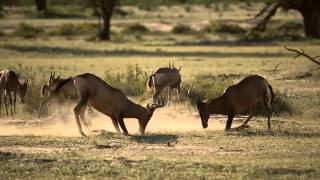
{"x": 107, "y": 7}
{"x": 41, "y": 5}
{"x": 311, "y": 19}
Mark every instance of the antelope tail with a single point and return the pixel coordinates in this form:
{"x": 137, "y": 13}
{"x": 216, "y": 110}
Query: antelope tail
{"x": 60, "y": 85}
{"x": 272, "y": 94}
{"x": 149, "y": 83}
{"x": 43, "y": 89}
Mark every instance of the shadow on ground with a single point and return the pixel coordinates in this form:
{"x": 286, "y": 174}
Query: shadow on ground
{"x": 132, "y": 52}
{"x": 154, "y": 138}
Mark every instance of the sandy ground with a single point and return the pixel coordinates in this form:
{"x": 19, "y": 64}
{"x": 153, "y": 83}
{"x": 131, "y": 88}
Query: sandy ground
{"x": 163, "y": 120}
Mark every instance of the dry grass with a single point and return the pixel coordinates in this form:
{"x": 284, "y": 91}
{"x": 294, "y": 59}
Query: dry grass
{"x": 175, "y": 145}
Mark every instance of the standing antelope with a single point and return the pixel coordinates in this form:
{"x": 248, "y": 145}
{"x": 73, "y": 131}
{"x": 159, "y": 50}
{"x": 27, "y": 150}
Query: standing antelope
{"x": 236, "y": 99}
{"x": 108, "y": 100}
{"x": 165, "y": 77}
{"x": 9, "y": 83}
{"x": 68, "y": 91}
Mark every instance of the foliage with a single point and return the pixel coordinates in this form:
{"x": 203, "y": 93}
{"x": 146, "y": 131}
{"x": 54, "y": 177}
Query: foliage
{"x": 27, "y": 31}
{"x": 135, "y": 29}
{"x": 182, "y": 29}
{"x": 69, "y": 29}
{"x": 223, "y": 28}
{"x": 132, "y": 82}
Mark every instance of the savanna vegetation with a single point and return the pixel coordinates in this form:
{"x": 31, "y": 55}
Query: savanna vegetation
{"x": 215, "y": 43}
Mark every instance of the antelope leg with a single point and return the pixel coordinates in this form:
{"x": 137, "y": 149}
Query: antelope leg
{"x": 115, "y": 124}
{"x": 6, "y": 102}
{"x": 123, "y": 126}
{"x": 82, "y": 118}
{"x": 77, "y": 110}
{"x": 229, "y": 122}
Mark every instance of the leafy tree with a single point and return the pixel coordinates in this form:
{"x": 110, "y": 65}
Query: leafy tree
{"x": 104, "y": 9}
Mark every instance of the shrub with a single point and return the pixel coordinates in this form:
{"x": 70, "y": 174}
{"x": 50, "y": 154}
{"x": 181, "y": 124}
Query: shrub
{"x": 182, "y": 29}
{"x": 135, "y": 29}
{"x": 271, "y": 35}
{"x": 132, "y": 82}
{"x": 69, "y": 29}
{"x": 224, "y": 29}
{"x": 288, "y": 31}
{"x": 2, "y": 34}
{"x": 27, "y": 31}
{"x": 208, "y": 86}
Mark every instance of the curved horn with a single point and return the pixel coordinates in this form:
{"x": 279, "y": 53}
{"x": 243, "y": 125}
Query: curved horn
{"x": 173, "y": 64}
{"x": 169, "y": 65}
{"x": 179, "y": 68}
{"x": 192, "y": 95}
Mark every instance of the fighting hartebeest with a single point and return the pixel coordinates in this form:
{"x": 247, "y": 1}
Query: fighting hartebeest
{"x": 9, "y": 83}
{"x": 108, "y": 100}
{"x": 236, "y": 99}
{"x": 165, "y": 77}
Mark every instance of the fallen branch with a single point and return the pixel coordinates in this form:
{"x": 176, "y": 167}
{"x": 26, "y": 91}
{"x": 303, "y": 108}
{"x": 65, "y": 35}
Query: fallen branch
{"x": 302, "y": 53}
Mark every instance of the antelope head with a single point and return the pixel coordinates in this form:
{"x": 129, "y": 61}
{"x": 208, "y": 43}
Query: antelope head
{"x": 22, "y": 91}
{"x": 53, "y": 81}
{"x": 149, "y": 109}
{"x": 202, "y": 106}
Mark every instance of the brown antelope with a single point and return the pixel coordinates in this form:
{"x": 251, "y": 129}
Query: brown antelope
{"x": 236, "y": 99}
{"x": 108, "y": 100}
{"x": 165, "y": 77}
{"x": 9, "y": 83}
{"x": 68, "y": 91}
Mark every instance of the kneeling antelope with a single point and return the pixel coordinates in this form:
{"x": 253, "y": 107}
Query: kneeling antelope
{"x": 108, "y": 100}
{"x": 236, "y": 99}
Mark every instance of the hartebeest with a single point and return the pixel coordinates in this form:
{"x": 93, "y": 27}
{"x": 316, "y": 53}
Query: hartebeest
{"x": 236, "y": 99}
{"x": 9, "y": 83}
{"x": 165, "y": 77}
{"x": 68, "y": 91}
{"x": 108, "y": 100}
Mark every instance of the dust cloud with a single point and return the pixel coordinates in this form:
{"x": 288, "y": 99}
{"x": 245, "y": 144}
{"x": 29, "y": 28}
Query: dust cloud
{"x": 167, "y": 119}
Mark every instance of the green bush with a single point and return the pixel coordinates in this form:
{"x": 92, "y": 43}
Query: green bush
{"x": 2, "y": 34}
{"x": 27, "y": 31}
{"x": 132, "y": 82}
{"x": 135, "y": 29}
{"x": 224, "y": 29}
{"x": 208, "y": 86}
{"x": 182, "y": 29}
{"x": 69, "y": 29}
{"x": 287, "y": 31}
{"x": 271, "y": 35}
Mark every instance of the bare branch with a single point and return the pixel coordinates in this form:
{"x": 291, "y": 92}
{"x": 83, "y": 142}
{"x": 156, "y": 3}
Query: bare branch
{"x": 261, "y": 26}
{"x": 316, "y": 57}
{"x": 302, "y": 53}
{"x": 262, "y": 11}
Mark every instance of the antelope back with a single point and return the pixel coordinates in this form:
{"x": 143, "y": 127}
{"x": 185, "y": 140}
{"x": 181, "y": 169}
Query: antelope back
{"x": 167, "y": 77}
